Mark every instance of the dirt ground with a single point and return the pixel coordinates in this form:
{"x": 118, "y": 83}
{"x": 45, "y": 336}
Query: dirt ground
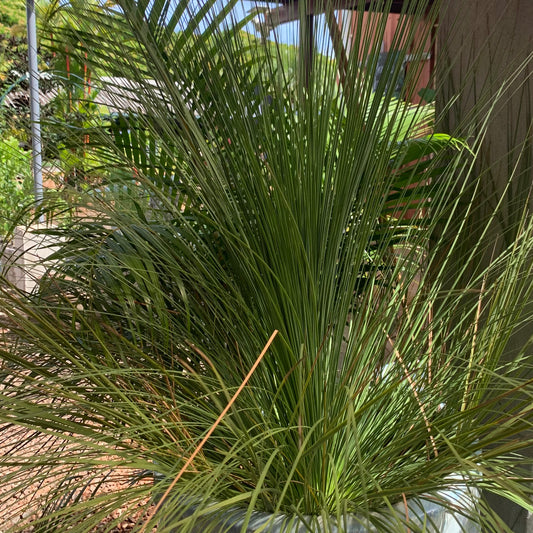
{"x": 19, "y": 509}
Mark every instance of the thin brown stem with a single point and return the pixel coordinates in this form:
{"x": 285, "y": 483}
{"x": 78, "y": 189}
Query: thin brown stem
{"x": 412, "y": 384}
{"x": 210, "y": 432}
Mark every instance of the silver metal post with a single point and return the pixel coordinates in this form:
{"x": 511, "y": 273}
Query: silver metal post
{"x": 35, "y": 112}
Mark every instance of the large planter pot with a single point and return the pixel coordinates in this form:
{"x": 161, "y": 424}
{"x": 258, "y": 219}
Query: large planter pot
{"x": 429, "y": 515}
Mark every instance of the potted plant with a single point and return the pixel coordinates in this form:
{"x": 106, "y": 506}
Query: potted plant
{"x": 272, "y": 200}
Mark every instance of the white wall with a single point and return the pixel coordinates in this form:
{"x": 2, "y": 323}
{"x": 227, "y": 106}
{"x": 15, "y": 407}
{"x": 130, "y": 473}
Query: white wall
{"x": 21, "y": 262}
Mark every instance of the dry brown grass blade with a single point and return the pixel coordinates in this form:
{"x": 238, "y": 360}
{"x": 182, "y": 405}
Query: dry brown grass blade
{"x": 412, "y": 384}
{"x": 210, "y": 432}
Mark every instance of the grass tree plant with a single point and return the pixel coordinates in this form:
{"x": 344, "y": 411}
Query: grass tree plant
{"x": 256, "y": 197}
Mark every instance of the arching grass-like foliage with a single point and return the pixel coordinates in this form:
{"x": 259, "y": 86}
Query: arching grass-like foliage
{"x": 244, "y": 196}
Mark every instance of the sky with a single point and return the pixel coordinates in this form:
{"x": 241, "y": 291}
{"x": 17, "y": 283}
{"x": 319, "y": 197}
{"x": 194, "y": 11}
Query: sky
{"x": 286, "y": 33}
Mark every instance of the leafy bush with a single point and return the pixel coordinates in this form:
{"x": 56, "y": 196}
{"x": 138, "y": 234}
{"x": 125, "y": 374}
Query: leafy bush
{"x": 16, "y": 185}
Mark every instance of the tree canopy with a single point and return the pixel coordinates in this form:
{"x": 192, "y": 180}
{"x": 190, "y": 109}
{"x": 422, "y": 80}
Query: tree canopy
{"x": 12, "y": 17}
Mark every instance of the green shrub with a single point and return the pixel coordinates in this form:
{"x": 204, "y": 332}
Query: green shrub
{"x": 15, "y": 181}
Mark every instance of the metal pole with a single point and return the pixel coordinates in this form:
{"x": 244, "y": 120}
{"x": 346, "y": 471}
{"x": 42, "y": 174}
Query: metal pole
{"x": 35, "y": 112}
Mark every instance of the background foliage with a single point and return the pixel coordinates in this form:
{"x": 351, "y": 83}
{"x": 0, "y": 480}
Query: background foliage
{"x": 12, "y": 17}
{"x": 15, "y": 181}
